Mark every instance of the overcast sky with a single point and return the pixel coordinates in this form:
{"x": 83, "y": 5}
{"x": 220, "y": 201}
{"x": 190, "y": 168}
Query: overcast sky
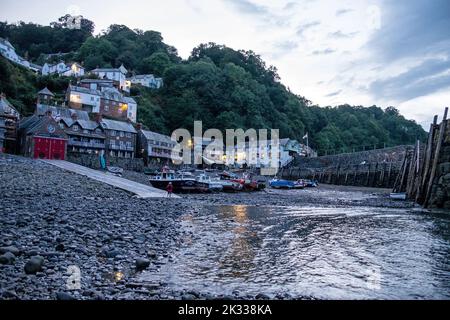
{"x": 362, "y": 52}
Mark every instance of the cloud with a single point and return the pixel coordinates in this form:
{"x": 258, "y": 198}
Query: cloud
{"x": 290, "y": 6}
{"x": 301, "y": 29}
{"x": 333, "y": 94}
{"x": 343, "y": 11}
{"x": 411, "y": 28}
{"x": 248, "y": 7}
{"x": 430, "y": 76}
{"x": 340, "y": 35}
{"x": 323, "y": 52}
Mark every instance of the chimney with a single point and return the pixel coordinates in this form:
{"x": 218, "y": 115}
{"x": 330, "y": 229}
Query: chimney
{"x": 74, "y": 116}
{"x": 139, "y": 126}
{"x": 98, "y": 117}
{"x": 48, "y": 113}
{"x": 2, "y": 95}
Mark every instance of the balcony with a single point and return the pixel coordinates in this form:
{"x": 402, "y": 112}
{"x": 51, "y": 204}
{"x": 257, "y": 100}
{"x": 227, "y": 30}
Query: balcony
{"x": 86, "y": 144}
{"x": 119, "y": 147}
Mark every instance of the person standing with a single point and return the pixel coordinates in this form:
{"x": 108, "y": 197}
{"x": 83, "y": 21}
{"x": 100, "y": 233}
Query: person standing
{"x": 169, "y": 190}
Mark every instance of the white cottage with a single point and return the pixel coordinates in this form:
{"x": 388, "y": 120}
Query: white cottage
{"x": 119, "y": 76}
{"x": 147, "y": 80}
{"x": 64, "y": 69}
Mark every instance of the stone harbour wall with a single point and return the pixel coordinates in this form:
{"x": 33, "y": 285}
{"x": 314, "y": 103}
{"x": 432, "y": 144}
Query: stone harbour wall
{"x": 375, "y": 168}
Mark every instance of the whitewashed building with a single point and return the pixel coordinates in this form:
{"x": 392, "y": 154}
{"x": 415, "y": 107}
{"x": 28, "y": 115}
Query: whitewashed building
{"x": 64, "y": 69}
{"x": 84, "y": 98}
{"x": 105, "y": 100}
{"x": 147, "y": 80}
{"x": 119, "y": 76}
{"x": 8, "y": 51}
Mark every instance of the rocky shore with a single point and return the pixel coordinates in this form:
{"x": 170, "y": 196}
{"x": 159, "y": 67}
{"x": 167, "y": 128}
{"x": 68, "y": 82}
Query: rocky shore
{"x": 56, "y": 224}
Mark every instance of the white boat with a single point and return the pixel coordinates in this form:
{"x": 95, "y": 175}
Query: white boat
{"x": 213, "y": 185}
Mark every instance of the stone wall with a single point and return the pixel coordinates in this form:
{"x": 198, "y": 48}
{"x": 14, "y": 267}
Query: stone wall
{"x": 93, "y": 161}
{"x": 375, "y": 168}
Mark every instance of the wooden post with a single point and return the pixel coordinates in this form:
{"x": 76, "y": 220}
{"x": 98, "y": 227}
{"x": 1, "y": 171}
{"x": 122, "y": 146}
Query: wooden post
{"x": 426, "y": 163}
{"x": 442, "y": 129}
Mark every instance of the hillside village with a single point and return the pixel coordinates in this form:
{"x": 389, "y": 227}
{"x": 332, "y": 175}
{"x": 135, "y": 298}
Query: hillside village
{"x": 98, "y": 117}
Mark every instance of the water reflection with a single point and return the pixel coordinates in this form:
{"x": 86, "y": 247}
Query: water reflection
{"x": 338, "y": 253}
{"x": 237, "y": 261}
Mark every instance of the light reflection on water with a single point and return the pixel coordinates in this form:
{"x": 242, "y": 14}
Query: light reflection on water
{"x": 342, "y": 253}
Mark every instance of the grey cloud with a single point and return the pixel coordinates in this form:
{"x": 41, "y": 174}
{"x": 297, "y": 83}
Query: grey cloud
{"x": 248, "y": 7}
{"x": 286, "y": 45}
{"x": 333, "y": 94}
{"x": 341, "y": 35}
{"x": 302, "y": 28}
{"x": 412, "y": 28}
{"x": 343, "y": 11}
{"x": 323, "y": 52}
{"x": 430, "y": 76}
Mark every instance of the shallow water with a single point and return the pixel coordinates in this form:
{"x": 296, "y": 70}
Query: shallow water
{"x": 329, "y": 253}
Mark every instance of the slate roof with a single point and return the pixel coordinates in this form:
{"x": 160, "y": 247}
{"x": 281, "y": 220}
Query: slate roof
{"x": 46, "y": 92}
{"x": 129, "y": 100}
{"x": 117, "y": 125}
{"x": 7, "y": 107}
{"x": 150, "y": 135}
{"x": 84, "y": 90}
{"x": 62, "y": 112}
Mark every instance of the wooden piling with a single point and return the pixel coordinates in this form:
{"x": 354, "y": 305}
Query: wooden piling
{"x": 441, "y": 136}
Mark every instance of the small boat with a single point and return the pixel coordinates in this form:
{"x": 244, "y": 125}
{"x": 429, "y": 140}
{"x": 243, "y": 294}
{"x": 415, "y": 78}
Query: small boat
{"x": 213, "y": 186}
{"x": 115, "y": 171}
{"x": 181, "y": 183}
{"x": 228, "y": 185}
{"x": 300, "y": 184}
{"x": 311, "y": 184}
{"x": 398, "y": 196}
{"x": 281, "y": 184}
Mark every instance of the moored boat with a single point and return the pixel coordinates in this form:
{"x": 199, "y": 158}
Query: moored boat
{"x": 212, "y": 185}
{"x": 281, "y": 184}
{"x": 181, "y": 183}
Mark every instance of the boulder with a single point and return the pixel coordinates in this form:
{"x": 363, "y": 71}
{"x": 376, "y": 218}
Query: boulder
{"x": 7, "y": 258}
{"x": 34, "y": 265}
{"x": 142, "y": 264}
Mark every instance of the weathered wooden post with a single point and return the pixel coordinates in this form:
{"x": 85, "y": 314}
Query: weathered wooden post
{"x": 442, "y": 129}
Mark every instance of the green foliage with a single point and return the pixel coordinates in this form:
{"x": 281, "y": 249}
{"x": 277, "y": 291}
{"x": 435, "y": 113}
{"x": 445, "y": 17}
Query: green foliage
{"x": 224, "y": 88}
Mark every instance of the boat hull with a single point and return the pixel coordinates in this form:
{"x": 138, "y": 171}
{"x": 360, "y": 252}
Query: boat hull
{"x": 181, "y": 186}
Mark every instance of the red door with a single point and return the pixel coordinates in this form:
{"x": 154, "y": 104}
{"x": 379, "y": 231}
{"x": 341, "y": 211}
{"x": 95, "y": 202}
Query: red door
{"x": 48, "y": 148}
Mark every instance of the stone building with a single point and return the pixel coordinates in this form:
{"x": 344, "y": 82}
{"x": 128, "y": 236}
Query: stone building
{"x": 154, "y": 146}
{"x": 42, "y": 138}
{"x": 9, "y": 119}
{"x": 120, "y": 137}
{"x": 84, "y": 134}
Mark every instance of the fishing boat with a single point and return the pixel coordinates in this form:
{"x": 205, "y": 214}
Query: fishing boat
{"x": 212, "y": 185}
{"x": 281, "y": 184}
{"x": 180, "y": 183}
{"x": 227, "y": 180}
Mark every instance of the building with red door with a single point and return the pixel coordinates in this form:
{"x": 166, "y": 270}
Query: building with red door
{"x": 42, "y": 138}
